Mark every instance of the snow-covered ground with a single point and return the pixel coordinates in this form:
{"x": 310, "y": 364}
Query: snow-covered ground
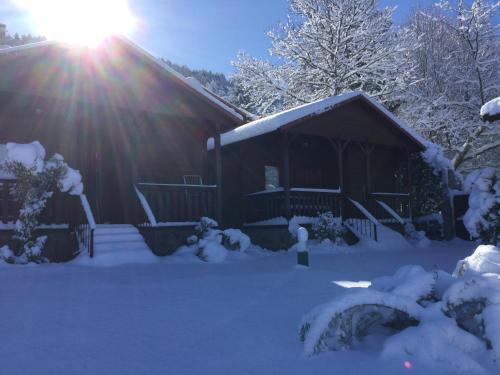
{"x": 182, "y": 316}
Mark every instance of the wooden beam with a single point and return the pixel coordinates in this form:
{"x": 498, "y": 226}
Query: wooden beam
{"x": 218, "y": 176}
{"x": 409, "y": 172}
{"x": 286, "y": 172}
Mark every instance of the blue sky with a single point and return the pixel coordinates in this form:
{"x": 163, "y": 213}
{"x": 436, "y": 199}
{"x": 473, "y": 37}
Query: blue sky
{"x": 199, "y": 33}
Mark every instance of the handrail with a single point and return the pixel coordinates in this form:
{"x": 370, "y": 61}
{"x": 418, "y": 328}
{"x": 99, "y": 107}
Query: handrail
{"x": 146, "y": 207}
{"x": 177, "y": 185}
{"x": 391, "y": 212}
{"x": 88, "y": 211}
{"x": 85, "y": 231}
{"x": 359, "y": 226}
{"x": 364, "y": 211}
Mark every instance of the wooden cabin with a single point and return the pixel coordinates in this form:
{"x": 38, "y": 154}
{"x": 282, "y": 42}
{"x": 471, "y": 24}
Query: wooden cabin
{"x": 138, "y": 132}
{"x": 344, "y": 154}
{"x": 133, "y": 127}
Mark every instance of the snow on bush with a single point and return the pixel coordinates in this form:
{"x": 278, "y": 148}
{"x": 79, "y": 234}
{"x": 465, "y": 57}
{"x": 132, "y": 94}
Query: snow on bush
{"x": 235, "y": 239}
{"x": 486, "y": 259}
{"x": 432, "y": 316}
{"x": 213, "y": 244}
{"x": 436, "y": 339}
{"x": 434, "y": 157}
{"x": 339, "y": 324}
{"x": 482, "y": 219}
{"x": 327, "y": 226}
{"x": 36, "y": 180}
{"x": 409, "y": 281}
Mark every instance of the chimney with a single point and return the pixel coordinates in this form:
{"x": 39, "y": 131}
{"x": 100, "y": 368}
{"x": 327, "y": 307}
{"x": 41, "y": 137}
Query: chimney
{"x": 3, "y": 31}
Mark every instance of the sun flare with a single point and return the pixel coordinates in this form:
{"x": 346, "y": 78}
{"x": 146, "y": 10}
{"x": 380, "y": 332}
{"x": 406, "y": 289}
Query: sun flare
{"x": 84, "y": 22}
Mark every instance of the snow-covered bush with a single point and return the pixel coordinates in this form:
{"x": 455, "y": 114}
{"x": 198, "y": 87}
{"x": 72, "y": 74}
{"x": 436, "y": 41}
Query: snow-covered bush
{"x": 7, "y": 255}
{"x": 417, "y": 237}
{"x": 327, "y": 226}
{"x": 428, "y": 190}
{"x": 341, "y": 323}
{"x": 429, "y": 316}
{"x": 213, "y": 244}
{"x": 486, "y": 259}
{"x": 36, "y": 181}
{"x": 482, "y": 219}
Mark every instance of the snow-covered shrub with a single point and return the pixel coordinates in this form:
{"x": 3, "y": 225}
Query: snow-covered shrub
{"x": 211, "y": 251}
{"x": 428, "y": 188}
{"x": 415, "y": 236}
{"x": 482, "y": 219}
{"x": 36, "y": 181}
{"x": 457, "y": 315}
{"x": 409, "y": 281}
{"x": 213, "y": 244}
{"x": 341, "y": 323}
{"x": 7, "y": 255}
{"x": 327, "y": 226}
{"x": 436, "y": 339}
{"x": 205, "y": 225}
{"x": 486, "y": 259}
{"x": 467, "y": 298}
{"x": 235, "y": 239}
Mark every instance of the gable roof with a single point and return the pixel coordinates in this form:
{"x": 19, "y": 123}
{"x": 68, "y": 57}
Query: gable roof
{"x": 301, "y": 113}
{"x": 196, "y": 88}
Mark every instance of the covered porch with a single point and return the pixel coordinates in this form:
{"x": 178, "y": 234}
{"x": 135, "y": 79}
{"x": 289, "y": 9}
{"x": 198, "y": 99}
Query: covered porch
{"x": 352, "y": 159}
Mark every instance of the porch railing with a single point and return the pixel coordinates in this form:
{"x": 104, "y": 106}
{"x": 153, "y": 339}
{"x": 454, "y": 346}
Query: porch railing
{"x": 392, "y": 209}
{"x": 178, "y": 202}
{"x": 270, "y": 204}
{"x": 84, "y": 226}
{"x": 360, "y": 221}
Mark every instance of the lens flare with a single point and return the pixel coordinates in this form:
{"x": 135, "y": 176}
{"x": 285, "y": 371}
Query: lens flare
{"x": 84, "y": 22}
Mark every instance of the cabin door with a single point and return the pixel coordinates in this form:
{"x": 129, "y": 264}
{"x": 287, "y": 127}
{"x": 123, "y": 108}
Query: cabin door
{"x": 355, "y": 181}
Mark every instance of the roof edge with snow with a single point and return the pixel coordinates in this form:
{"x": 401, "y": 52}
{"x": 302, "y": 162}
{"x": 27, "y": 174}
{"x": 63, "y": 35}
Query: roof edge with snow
{"x": 298, "y": 114}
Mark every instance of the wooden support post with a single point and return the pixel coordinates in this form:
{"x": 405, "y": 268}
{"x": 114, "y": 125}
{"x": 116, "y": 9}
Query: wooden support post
{"x": 218, "y": 177}
{"x": 409, "y": 172}
{"x": 340, "y": 146}
{"x": 286, "y": 173}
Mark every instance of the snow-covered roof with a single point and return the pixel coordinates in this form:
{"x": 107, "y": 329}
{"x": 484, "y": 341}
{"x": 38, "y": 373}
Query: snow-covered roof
{"x": 274, "y": 122}
{"x": 192, "y": 83}
{"x": 491, "y": 110}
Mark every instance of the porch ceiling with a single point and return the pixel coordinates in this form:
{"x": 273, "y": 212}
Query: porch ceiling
{"x": 357, "y": 121}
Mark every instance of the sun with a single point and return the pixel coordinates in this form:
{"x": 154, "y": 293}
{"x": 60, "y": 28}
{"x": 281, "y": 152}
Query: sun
{"x": 83, "y": 22}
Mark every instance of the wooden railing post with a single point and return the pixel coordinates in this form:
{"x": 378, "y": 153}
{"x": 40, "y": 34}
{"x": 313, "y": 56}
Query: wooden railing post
{"x": 286, "y": 173}
{"x": 218, "y": 177}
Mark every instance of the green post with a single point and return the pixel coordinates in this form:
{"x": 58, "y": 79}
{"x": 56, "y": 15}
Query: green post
{"x": 302, "y": 252}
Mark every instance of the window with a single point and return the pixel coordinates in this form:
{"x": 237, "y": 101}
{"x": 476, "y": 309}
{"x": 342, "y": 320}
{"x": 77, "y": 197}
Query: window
{"x": 272, "y": 176}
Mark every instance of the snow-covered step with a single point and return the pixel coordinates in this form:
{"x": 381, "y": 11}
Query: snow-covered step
{"x": 118, "y": 241}
{"x": 108, "y": 230}
{"x": 110, "y": 246}
{"x": 118, "y": 237}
